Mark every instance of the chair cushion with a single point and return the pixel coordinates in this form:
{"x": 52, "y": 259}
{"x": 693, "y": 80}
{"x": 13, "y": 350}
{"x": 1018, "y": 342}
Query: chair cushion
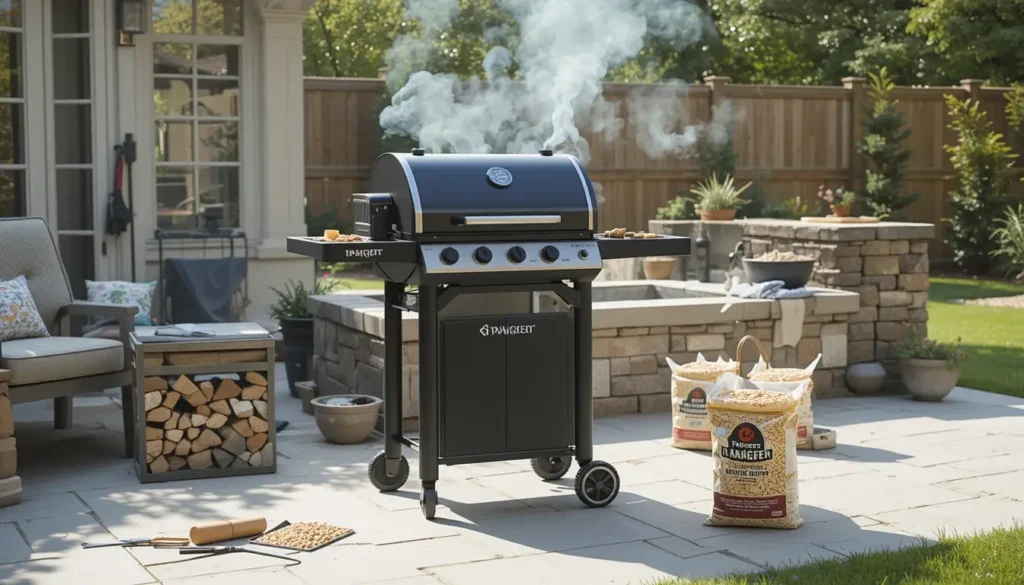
{"x": 120, "y": 292}
{"x": 19, "y": 317}
{"x": 47, "y": 359}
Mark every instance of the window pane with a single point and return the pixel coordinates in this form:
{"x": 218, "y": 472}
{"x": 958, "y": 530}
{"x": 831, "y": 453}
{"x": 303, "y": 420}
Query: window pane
{"x": 74, "y": 199}
{"x": 173, "y": 141}
{"x": 11, "y": 123}
{"x": 218, "y": 97}
{"x": 10, "y": 65}
{"x": 74, "y": 126}
{"x": 218, "y": 59}
{"x": 172, "y": 16}
{"x": 218, "y": 141}
{"x": 219, "y": 17}
{"x": 71, "y": 69}
{"x": 10, "y": 13}
{"x": 12, "y": 193}
{"x": 172, "y": 59}
{"x": 70, "y": 16}
{"x": 218, "y": 195}
{"x": 77, "y": 254}
{"x": 172, "y": 97}
{"x": 175, "y": 208}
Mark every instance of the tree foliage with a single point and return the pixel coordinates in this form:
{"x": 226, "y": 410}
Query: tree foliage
{"x": 884, "y": 145}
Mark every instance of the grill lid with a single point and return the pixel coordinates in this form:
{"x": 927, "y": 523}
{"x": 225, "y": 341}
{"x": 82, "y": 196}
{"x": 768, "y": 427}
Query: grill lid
{"x": 447, "y": 194}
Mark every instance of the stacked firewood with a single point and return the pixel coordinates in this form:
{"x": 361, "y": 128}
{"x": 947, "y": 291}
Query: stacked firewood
{"x": 215, "y": 423}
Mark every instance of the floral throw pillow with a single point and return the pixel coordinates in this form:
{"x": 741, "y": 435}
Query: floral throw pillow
{"x": 19, "y": 316}
{"x": 119, "y": 292}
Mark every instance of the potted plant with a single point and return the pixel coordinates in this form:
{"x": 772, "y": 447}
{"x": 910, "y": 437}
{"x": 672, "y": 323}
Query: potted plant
{"x": 930, "y": 369}
{"x": 840, "y": 201}
{"x": 718, "y": 200}
{"x": 659, "y": 267}
{"x": 346, "y": 418}
{"x": 292, "y": 313}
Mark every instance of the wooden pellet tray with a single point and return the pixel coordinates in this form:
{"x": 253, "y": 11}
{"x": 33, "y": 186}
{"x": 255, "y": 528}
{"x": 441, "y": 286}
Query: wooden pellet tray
{"x": 286, "y": 523}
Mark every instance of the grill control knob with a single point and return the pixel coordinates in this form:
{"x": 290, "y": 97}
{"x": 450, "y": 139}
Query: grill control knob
{"x": 584, "y": 254}
{"x": 516, "y": 254}
{"x": 449, "y": 256}
{"x": 482, "y": 255}
{"x": 549, "y": 253}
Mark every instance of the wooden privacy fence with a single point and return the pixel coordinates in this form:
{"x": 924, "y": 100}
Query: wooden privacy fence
{"x": 788, "y": 139}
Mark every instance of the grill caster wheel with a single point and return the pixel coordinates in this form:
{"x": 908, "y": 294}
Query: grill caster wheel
{"x": 551, "y": 468}
{"x": 428, "y": 502}
{"x": 379, "y": 475}
{"x": 597, "y": 484}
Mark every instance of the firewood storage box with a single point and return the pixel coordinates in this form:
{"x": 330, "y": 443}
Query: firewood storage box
{"x": 204, "y": 405}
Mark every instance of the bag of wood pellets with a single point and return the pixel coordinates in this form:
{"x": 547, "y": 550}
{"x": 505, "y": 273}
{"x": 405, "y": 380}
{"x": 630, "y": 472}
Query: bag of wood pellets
{"x": 763, "y": 372}
{"x": 690, "y": 382}
{"x": 754, "y": 451}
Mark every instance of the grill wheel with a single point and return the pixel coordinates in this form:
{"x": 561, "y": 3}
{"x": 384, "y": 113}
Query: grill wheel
{"x": 597, "y": 484}
{"x": 379, "y": 475}
{"x": 551, "y": 468}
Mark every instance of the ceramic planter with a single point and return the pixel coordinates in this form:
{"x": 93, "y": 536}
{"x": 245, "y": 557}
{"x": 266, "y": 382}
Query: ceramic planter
{"x": 346, "y": 418}
{"x": 928, "y": 380}
{"x": 717, "y": 214}
{"x": 866, "y": 378}
{"x": 297, "y": 338}
{"x": 840, "y": 211}
{"x": 659, "y": 267}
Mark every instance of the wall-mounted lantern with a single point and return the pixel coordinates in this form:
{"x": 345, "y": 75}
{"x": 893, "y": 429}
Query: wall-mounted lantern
{"x": 131, "y": 21}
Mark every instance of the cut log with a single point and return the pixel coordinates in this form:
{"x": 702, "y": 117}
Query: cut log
{"x": 253, "y": 392}
{"x": 153, "y": 400}
{"x": 197, "y": 399}
{"x": 184, "y": 448}
{"x": 216, "y": 420}
{"x": 154, "y": 448}
{"x": 200, "y": 460}
{"x": 174, "y": 435}
{"x": 185, "y": 386}
{"x": 255, "y": 460}
{"x": 255, "y": 378}
{"x": 261, "y": 407}
{"x": 241, "y": 408}
{"x": 222, "y": 457}
{"x": 245, "y": 456}
{"x": 149, "y": 458}
{"x": 172, "y": 399}
{"x": 238, "y": 463}
{"x": 154, "y": 434}
{"x": 154, "y": 384}
{"x": 176, "y": 462}
{"x": 153, "y": 360}
{"x": 172, "y": 422}
{"x": 258, "y": 425}
{"x": 221, "y": 406}
{"x": 159, "y": 414}
{"x": 267, "y": 454}
{"x": 201, "y": 358}
{"x": 207, "y": 440}
{"x": 159, "y": 465}
{"x": 198, "y": 420}
{"x": 185, "y": 422}
{"x": 242, "y": 428}
{"x": 233, "y": 442}
{"x": 256, "y": 442}
{"x": 204, "y": 409}
{"x": 192, "y": 433}
{"x": 207, "y": 389}
{"x": 168, "y": 447}
{"x": 228, "y": 389}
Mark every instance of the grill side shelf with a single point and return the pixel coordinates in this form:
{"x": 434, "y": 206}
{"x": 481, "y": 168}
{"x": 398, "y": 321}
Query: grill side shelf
{"x": 367, "y": 251}
{"x": 614, "y": 248}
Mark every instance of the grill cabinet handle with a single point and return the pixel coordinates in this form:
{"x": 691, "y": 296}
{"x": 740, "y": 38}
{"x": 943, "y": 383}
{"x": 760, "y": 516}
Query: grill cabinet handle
{"x": 510, "y": 219}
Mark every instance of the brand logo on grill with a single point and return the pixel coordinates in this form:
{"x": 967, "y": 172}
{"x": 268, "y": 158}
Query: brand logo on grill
{"x": 487, "y": 330}
{"x": 365, "y": 253}
{"x": 499, "y": 177}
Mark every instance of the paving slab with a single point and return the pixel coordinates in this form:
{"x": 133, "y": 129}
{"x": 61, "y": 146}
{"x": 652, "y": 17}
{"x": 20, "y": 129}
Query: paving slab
{"x": 270, "y": 576}
{"x": 960, "y": 517}
{"x": 13, "y": 548}
{"x": 873, "y": 492}
{"x": 107, "y": 566}
{"x": 1007, "y": 484}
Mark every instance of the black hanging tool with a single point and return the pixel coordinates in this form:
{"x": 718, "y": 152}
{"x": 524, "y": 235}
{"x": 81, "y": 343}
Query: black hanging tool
{"x": 130, "y": 152}
{"x": 118, "y": 214}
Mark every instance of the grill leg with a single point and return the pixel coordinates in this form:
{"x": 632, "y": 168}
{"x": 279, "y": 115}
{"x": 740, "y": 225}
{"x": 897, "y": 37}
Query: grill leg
{"x": 584, "y": 390}
{"x": 392, "y": 376}
{"x": 428, "y": 385}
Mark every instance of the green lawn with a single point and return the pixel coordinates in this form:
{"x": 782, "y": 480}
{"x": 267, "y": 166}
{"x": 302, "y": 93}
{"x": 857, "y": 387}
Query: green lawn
{"x": 994, "y": 336}
{"x": 995, "y": 558}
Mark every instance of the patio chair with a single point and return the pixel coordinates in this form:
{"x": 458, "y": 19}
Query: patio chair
{"x": 61, "y": 366}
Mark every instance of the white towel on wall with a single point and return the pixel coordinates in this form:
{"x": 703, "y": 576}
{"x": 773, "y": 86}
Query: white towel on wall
{"x": 790, "y": 328}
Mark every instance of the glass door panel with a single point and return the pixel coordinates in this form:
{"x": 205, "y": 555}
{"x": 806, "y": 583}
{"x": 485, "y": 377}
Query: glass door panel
{"x": 12, "y": 111}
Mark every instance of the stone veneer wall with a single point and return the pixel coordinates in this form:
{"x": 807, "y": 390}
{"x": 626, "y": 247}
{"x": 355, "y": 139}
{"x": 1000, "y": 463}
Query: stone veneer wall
{"x": 632, "y": 340}
{"x": 885, "y": 263}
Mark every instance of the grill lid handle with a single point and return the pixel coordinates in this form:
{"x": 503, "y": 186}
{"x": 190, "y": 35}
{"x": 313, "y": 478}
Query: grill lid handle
{"x": 508, "y": 219}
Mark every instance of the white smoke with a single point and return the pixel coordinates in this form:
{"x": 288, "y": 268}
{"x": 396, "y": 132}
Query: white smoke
{"x": 565, "y": 49}
{"x": 659, "y": 116}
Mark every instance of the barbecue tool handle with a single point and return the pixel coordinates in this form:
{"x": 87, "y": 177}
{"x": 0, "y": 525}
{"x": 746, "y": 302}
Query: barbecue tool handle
{"x": 510, "y": 219}
{"x": 208, "y": 550}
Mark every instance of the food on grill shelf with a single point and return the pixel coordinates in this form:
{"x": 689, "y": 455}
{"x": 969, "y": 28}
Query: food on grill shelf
{"x": 623, "y": 233}
{"x": 335, "y": 236}
{"x": 691, "y": 428}
{"x": 777, "y": 256}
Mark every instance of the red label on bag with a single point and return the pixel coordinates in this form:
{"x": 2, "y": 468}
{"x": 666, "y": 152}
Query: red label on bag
{"x": 756, "y": 508}
{"x": 801, "y": 431}
{"x": 691, "y": 435}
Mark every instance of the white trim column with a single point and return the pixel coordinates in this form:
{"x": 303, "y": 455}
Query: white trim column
{"x": 282, "y": 152}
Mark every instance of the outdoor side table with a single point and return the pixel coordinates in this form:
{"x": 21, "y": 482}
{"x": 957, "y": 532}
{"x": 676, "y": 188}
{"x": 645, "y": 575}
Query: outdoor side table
{"x": 204, "y": 401}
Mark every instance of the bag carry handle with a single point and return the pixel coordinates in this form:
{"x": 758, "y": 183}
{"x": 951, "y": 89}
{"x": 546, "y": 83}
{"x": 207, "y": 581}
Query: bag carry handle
{"x": 760, "y": 349}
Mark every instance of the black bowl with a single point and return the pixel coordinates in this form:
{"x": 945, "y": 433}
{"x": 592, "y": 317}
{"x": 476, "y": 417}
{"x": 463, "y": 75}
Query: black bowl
{"x": 794, "y": 273}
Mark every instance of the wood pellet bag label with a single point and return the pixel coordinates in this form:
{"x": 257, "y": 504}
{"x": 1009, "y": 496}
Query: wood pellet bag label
{"x": 691, "y": 428}
{"x": 746, "y": 444}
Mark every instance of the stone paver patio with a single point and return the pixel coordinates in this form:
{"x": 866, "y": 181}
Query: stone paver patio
{"x": 903, "y": 470}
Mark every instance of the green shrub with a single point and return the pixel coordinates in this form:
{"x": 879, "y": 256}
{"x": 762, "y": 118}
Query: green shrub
{"x": 915, "y": 346}
{"x": 792, "y": 208}
{"x": 1010, "y": 239}
{"x": 678, "y": 208}
{"x": 982, "y": 160}
{"x": 292, "y": 302}
{"x": 715, "y": 195}
{"x": 884, "y": 145}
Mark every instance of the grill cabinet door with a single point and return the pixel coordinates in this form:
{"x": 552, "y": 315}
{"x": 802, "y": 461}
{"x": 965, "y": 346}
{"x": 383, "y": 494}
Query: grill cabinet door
{"x": 540, "y": 382}
{"x": 472, "y": 387}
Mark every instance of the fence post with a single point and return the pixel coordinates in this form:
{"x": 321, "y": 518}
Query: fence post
{"x": 973, "y": 88}
{"x": 858, "y": 99}
{"x": 717, "y": 84}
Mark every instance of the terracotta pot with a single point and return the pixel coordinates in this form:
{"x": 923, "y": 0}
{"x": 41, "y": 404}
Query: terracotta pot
{"x": 840, "y": 211}
{"x": 929, "y": 380}
{"x": 717, "y": 214}
{"x": 346, "y": 418}
{"x": 659, "y": 268}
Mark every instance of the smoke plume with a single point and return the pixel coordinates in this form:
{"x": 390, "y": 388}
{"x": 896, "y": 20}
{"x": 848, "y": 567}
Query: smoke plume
{"x": 564, "y": 50}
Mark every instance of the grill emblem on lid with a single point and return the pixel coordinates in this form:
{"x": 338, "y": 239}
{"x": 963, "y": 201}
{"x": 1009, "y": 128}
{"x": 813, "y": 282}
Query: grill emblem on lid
{"x": 499, "y": 177}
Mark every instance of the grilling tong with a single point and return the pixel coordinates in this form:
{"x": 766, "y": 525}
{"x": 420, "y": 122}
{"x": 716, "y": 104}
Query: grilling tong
{"x": 158, "y": 542}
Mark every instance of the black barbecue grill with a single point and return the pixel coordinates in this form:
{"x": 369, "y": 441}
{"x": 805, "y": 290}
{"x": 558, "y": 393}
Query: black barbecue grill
{"x": 497, "y": 381}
